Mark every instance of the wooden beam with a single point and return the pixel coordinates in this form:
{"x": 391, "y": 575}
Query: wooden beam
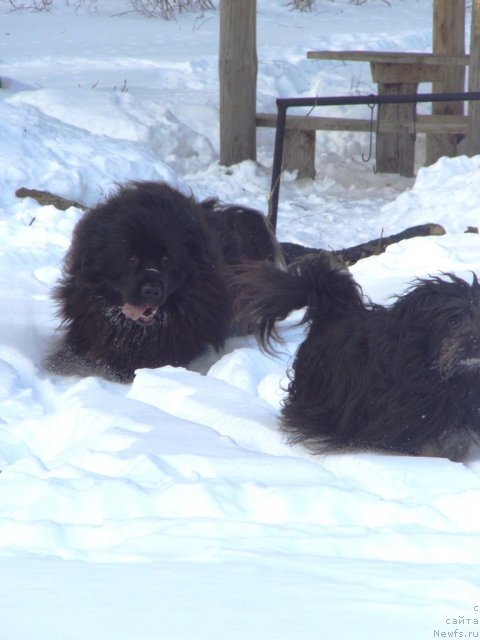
{"x": 394, "y": 57}
{"x": 423, "y": 124}
{"x": 449, "y": 39}
{"x": 238, "y": 81}
{"x": 473, "y": 139}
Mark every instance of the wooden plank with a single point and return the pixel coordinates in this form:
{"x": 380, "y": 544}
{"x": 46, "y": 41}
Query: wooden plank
{"x": 238, "y": 81}
{"x": 392, "y": 72}
{"x": 397, "y": 57}
{"x": 442, "y": 124}
{"x": 423, "y": 124}
{"x": 449, "y": 40}
{"x": 314, "y": 123}
{"x": 473, "y": 140}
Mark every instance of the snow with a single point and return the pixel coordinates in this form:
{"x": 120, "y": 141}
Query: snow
{"x": 173, "y": 507}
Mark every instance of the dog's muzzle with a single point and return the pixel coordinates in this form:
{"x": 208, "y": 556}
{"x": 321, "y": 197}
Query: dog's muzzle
{"x": 470, "y": 356}
{"x": 151, "y": 296}
{"x": 470, "y": 363}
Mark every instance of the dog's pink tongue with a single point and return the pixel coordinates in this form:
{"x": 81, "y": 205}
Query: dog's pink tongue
{"x": 133, "y": 312}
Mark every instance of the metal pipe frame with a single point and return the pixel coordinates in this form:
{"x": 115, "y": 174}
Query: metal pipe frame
{"x": 285, "y": 103}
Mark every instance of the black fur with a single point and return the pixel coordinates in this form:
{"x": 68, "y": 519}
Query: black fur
{"x": 146, "y": 280}
{"x": 404, "y": 378}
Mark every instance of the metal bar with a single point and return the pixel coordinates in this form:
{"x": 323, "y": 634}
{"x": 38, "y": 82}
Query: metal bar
{"x": 277, "y": 165}
{"x": 379, "y": 99}
{"x": 284, "y": 103}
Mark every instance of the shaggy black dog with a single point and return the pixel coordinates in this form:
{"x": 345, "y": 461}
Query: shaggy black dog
{"x": 146, "y": 280}
{"x": 402, "y": 379}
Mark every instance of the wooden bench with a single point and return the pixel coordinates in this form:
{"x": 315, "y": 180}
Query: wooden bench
{"x": 395, "y": 73}
{"x": 299, "y": 146}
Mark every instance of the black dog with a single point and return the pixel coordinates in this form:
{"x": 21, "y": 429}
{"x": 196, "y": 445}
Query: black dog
{"x": 400, "y": 379}
{"x": 146, "y": 280}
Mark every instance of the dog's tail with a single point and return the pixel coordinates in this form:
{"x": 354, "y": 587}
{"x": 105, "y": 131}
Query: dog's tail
{"x": 267, "y": 295}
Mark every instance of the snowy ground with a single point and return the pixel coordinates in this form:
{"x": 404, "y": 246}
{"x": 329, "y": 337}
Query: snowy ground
{"x": 172, "y": 507}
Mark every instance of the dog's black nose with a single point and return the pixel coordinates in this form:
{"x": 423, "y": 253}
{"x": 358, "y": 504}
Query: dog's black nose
{"x": 152, "y": 293}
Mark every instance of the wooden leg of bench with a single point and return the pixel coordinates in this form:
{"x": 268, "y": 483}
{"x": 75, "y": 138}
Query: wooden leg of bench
{"x": 299, "y": 152}
{"x": 386, "y": 156}
{"x": 395, "y": 152}
{"x": 406, "y": 141}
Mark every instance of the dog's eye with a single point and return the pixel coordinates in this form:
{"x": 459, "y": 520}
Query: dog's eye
{"x": 134, "y": 260}
{"x": 164, "y": 260}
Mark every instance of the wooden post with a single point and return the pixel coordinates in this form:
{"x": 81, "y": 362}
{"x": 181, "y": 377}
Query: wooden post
{"x": 395, "y": 153}
{"x": 473, "y": 138}
{"x": 238, "y": 81}
{"x": 448, "y": 37}
{"x": 299, "y": 153}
